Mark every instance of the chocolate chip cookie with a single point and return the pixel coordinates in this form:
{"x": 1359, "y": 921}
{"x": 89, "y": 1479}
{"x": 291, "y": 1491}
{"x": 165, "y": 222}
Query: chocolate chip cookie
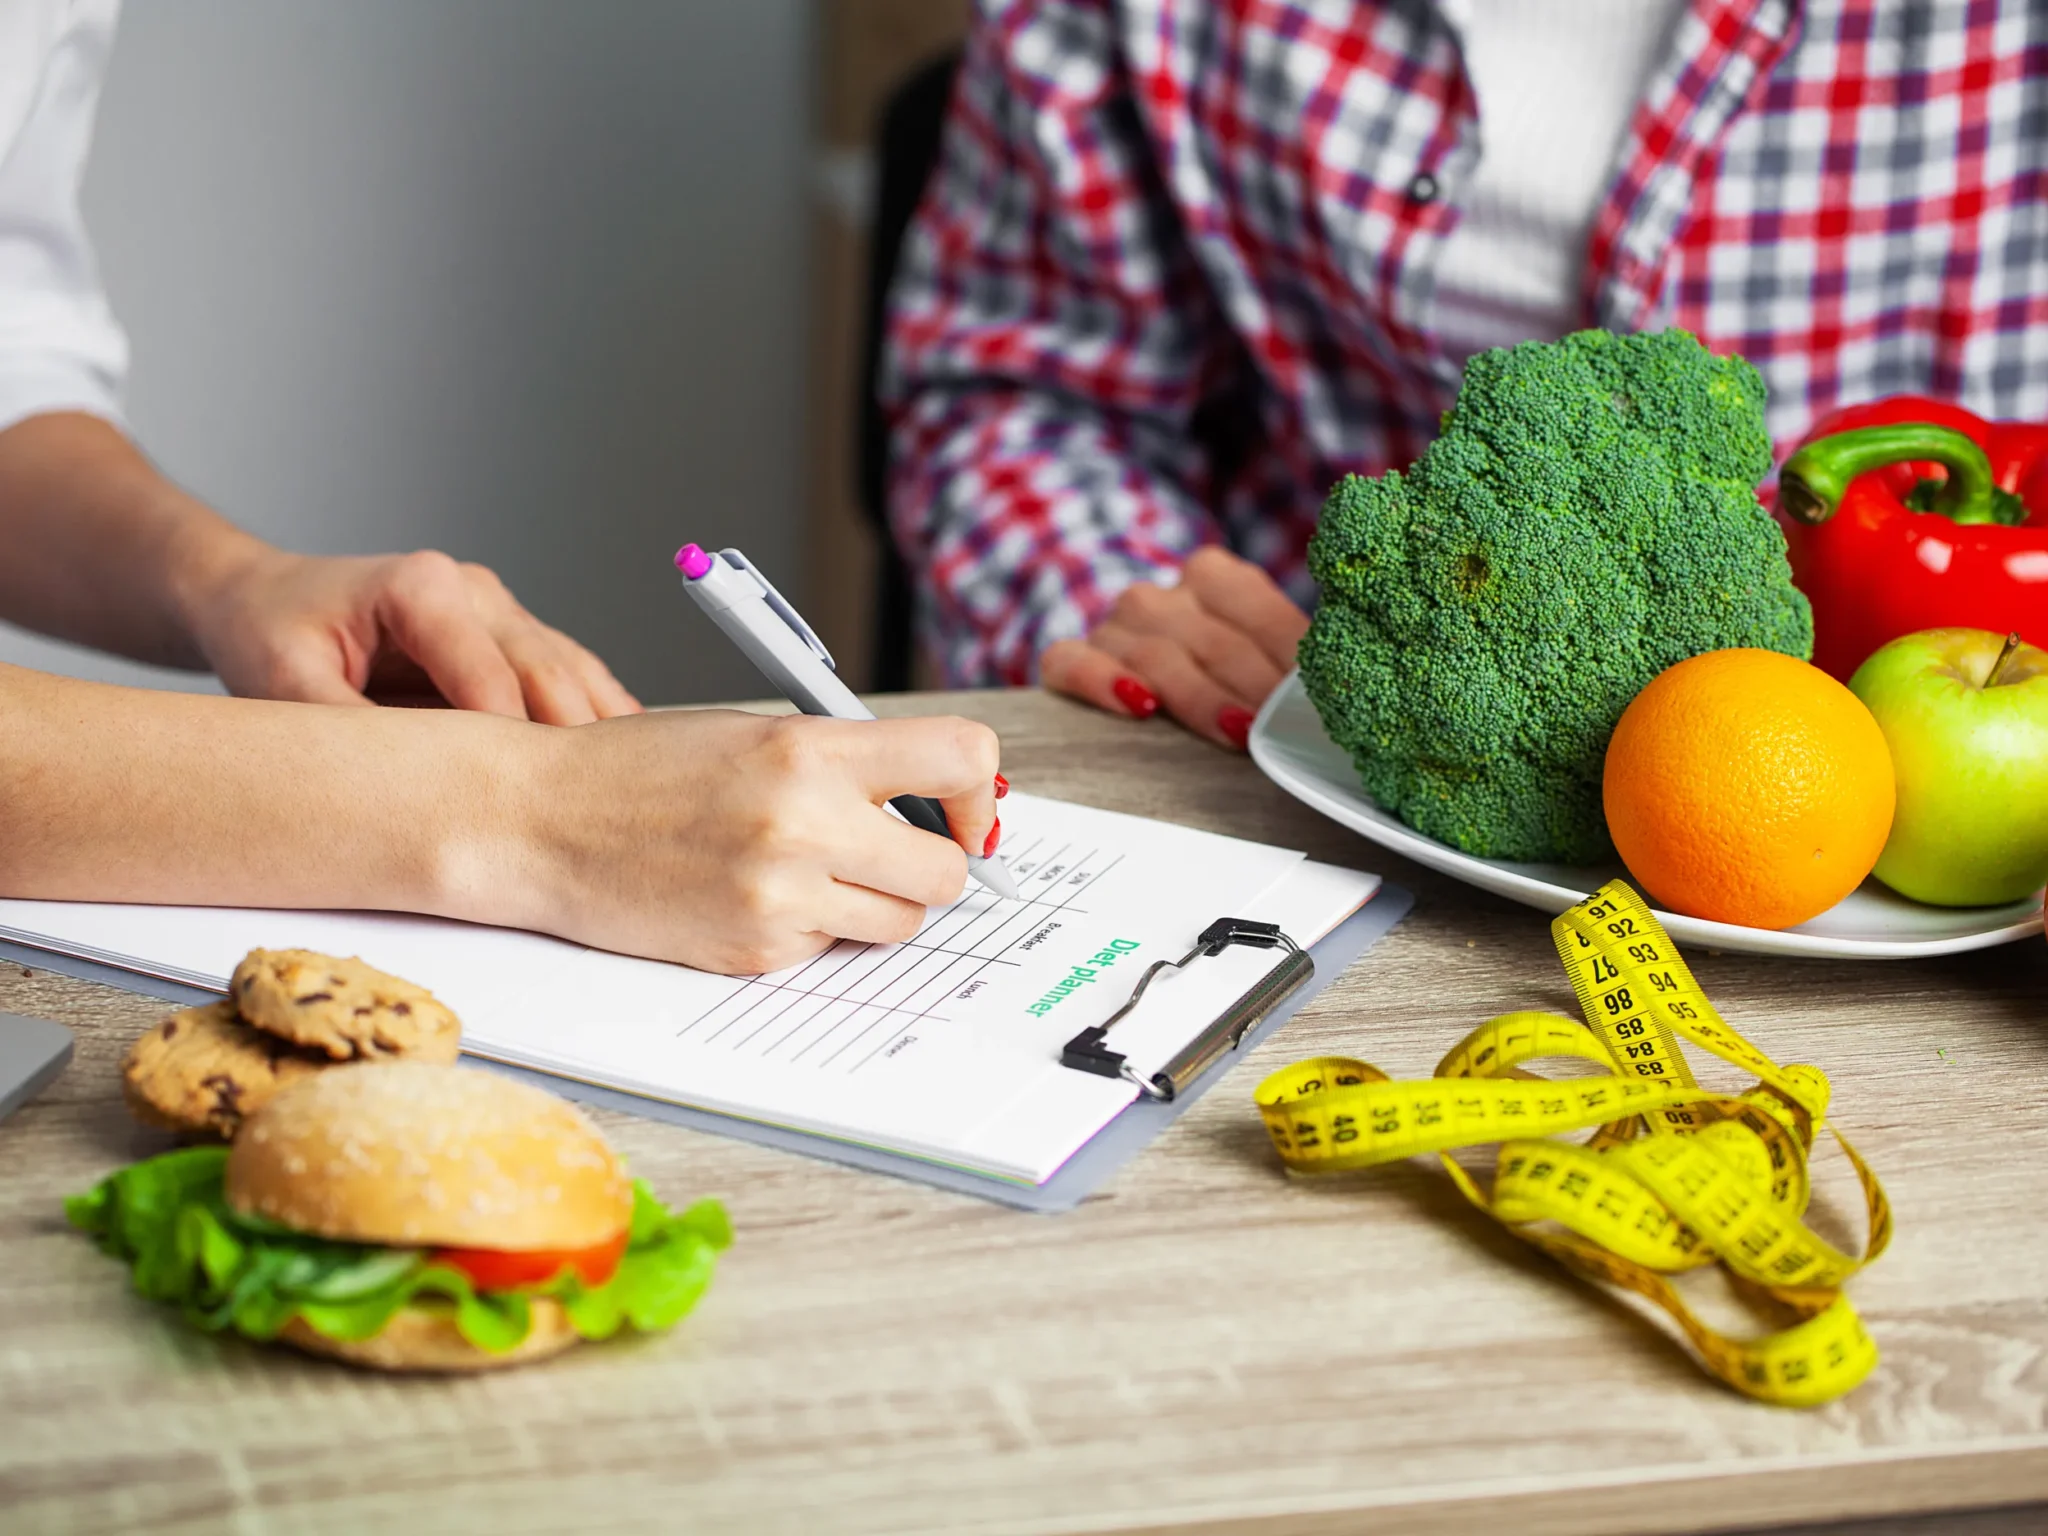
{"x": 201, "y": 1071}
{"x": 348, "y": 1009}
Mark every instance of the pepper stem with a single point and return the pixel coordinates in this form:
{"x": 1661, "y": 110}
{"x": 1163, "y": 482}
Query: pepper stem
{"x": 2012, "y": 644}
{"x": 1812, "y": 483}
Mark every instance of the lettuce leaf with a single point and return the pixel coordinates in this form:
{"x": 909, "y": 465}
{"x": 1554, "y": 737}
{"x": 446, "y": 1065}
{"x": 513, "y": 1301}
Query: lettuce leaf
{"x": 668, "y": 1264}
{"x": 170, "y": 1219}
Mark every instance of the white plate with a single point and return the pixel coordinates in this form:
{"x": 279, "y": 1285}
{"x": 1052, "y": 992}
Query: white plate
{"x": 1289, "y": 744}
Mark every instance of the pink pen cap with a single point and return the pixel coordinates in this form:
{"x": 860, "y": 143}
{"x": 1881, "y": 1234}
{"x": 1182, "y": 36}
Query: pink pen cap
{"x": 693, "y": 563}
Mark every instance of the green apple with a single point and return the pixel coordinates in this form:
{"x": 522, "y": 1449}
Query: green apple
{"x": 1965, "y": 712}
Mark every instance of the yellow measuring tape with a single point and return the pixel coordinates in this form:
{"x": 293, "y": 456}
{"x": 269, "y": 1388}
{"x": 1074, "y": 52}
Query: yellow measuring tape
{"x": 1675, "y": 1177}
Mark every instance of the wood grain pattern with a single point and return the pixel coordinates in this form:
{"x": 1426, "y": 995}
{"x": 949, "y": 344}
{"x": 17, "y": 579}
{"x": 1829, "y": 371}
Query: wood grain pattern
{"x": 1206, "y": 1345}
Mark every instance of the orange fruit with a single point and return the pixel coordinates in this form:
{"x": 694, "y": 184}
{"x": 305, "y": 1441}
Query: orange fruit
{"x": 1748, "y": 787}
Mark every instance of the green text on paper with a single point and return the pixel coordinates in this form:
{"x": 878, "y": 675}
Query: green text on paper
{"x": 1080, "y": 976}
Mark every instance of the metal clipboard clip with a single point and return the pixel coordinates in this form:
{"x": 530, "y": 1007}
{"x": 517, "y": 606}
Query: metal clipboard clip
{"x": 1087, "y": 1051}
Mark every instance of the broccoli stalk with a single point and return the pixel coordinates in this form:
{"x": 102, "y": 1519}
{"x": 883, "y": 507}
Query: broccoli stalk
{"x": 1587, "y": 518}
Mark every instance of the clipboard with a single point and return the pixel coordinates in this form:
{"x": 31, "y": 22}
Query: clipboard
{"x": 32, "y": 1053}
{"x": 1082, "y": 1176}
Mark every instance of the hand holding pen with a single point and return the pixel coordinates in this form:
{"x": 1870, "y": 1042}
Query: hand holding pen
{"x": 773, "y": 635}
{"x": 730, "y": 841}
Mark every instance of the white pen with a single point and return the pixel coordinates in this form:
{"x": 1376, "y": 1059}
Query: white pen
{"x": 775, "y": 638}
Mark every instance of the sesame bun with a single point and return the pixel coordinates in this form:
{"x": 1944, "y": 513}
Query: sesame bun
{"x": 411, "y": 1154}
{"x": 418, "y": 1340}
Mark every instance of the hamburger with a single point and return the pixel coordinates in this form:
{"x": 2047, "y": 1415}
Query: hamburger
{"x": 407, "y": 1216}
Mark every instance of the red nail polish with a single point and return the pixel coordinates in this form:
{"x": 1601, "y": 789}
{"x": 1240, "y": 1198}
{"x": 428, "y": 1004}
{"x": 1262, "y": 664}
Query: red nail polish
{"x": 1002, "y": 786}
{"x": 1235, "y": 723}
{"x": 995, "y": 835}
{"x": 1135, "y": 697}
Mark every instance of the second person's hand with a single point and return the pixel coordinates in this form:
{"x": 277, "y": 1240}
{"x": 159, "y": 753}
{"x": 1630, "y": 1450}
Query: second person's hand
{"x": 412, "y": 628}
{"x": 735, "y": 842}
{"x": 1210, "y": 649}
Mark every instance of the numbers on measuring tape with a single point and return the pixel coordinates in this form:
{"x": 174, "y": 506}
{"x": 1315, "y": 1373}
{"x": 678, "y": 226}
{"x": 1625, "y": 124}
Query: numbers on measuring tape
{"x": 1676, "y": 1176}
{"x": 1757, "y": 1241}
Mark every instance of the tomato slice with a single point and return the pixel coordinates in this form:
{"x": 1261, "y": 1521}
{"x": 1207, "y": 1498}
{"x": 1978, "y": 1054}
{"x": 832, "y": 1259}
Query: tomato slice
{"x": 495, "y": 1269}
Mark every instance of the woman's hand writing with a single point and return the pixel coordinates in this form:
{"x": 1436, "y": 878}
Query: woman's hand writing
{"x": 745, "y": 843}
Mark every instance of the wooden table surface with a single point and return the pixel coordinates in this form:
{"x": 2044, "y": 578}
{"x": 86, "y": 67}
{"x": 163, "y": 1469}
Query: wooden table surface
{"x": 1206, "y": 1344}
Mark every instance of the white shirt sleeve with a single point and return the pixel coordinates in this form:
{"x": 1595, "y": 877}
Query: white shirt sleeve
{"x": 60, "y": 347}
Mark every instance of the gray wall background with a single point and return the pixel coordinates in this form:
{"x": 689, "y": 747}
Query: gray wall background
{"x": 522, "y": 280}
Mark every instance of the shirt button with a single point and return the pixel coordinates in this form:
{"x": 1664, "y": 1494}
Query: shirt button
{"x": 1423, "y": 189}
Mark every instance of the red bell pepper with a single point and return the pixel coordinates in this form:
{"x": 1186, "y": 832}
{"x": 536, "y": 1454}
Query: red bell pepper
{"x": 1910, "y": 514}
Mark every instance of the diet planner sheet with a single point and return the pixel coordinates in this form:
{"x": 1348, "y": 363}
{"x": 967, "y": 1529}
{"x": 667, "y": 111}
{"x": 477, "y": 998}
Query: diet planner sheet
{"x": 944, "y": 1047}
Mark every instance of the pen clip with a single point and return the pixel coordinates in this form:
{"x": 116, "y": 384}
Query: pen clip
{"x": 781, "y": 606}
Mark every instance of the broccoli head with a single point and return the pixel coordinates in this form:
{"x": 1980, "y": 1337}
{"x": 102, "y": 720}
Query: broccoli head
{"x": 1587, "y": 518}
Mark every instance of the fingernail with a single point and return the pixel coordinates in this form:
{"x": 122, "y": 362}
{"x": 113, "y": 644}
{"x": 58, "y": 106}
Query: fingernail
{"x": 1135, "y": 697}
{"x": 1235, "y": 723}
{"x": 1002, "y": 786}
{"x": 995, "y": 835}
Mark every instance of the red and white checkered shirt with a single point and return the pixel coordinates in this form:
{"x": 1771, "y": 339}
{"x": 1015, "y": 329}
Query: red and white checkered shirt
{"x": 1174, "y": 275}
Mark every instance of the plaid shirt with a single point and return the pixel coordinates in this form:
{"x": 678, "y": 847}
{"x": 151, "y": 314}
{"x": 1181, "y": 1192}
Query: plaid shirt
{"x": 1158, "y": 218}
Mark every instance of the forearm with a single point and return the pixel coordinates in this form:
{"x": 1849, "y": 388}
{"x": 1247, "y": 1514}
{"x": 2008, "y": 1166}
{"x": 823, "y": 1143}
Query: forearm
{"x": 1049, "y": 350}
{"x": 101, "y": 548}
{"x": 1030, "y": 515}
{"x": 112, "y": 794}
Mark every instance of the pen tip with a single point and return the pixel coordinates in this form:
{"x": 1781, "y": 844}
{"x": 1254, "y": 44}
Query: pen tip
{"x": 692, "y": 562}
{"x": 992, "y": 874}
